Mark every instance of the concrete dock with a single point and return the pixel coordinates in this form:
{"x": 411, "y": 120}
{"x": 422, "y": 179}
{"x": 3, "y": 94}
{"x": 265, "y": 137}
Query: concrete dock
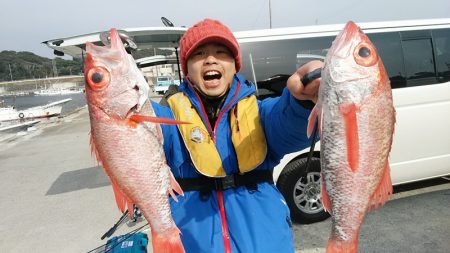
{"x": 55, "y": 198}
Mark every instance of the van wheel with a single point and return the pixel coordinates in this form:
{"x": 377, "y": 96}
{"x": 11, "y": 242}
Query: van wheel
{"x": 302, "y": 191}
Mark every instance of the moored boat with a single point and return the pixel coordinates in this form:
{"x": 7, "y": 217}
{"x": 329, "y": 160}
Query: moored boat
{"x": 44, "y": 111}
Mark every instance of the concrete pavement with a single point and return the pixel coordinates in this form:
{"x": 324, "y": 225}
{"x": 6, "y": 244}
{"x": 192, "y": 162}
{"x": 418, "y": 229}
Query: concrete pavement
{"x": 54, "y": 196}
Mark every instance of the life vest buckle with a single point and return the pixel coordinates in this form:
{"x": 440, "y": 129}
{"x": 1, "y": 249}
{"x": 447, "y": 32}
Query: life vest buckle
{"x": 223, "y": 183}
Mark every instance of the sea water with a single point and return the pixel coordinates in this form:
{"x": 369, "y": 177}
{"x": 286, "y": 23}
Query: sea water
{"x": 27, "y": 101}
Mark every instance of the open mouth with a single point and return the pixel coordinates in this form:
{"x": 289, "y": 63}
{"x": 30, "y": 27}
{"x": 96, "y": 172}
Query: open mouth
{"x": 212, "y": 75}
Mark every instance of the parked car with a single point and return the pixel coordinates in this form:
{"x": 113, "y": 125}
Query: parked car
{"x": 163, "y": 83}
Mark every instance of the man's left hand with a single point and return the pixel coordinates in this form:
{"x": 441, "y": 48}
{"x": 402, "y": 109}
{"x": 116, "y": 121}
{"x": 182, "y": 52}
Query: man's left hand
{"x": 298, "y": 89}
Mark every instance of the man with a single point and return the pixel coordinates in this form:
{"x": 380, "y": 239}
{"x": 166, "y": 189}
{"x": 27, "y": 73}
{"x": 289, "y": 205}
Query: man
{"x": 224, "y": 159}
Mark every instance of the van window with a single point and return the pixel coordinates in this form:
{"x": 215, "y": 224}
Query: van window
{"x": 410, "y": 58}
{"x": 419, "y": 62}
{"x": 280, "y": 57}
{"x": 389, "y": 48}
{"x": 441, "y": 39}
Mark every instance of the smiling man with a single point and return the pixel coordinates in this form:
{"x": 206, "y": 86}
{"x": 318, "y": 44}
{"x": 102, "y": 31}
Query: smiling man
{"x": 224, "y": 160}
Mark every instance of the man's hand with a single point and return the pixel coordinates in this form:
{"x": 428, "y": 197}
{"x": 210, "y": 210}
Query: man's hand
{"x": 296, "y": 87}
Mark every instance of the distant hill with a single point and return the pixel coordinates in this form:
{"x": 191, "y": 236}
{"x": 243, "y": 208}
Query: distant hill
{"x": 26, "y": 65}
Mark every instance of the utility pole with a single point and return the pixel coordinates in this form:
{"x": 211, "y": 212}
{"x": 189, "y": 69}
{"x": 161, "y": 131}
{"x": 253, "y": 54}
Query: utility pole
{"x": 270, "y": 13}
{"x": 55, "y": 70}
{"x": 10, "y": 73}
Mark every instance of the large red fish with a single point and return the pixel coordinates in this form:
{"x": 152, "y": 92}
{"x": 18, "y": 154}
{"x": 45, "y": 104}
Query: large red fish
{"x": 356, "y": 118}
{"x": 130, "y": 152}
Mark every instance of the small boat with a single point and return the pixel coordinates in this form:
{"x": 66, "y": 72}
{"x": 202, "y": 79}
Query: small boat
{"x": 44, "y": 111}
{"x": 17, "y": 126}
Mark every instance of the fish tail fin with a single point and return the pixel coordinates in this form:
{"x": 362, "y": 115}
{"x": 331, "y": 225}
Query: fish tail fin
{"x": 383, "y": 191}
{"x": 174, "y": 187}
{"x": 325, "y": 198}
{"x": 145, "y": 118}
{"x": 312, "y": 120}
{"x": 167, "y": 242}
{"x": 338, "y": 246}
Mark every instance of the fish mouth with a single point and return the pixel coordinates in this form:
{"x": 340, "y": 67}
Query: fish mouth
{"x": 132, "y": 111}
{"x": 134, "y": 106}
{"x": 343, "y": 43}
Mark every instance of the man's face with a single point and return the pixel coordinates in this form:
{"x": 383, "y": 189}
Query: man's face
{"x": 211, "y": 68}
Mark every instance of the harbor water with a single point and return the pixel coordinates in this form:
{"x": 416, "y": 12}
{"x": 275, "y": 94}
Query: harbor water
{"x": 28, "y": 101}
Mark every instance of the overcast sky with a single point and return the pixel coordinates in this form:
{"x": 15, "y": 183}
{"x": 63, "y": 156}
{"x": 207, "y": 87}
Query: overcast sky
{"x": 24, "y": 24}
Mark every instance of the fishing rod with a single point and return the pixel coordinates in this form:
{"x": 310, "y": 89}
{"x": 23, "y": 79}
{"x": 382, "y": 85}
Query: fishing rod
{"x": 307, "y": 79}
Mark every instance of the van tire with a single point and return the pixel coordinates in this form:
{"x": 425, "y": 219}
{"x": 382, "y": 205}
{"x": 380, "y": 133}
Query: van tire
{"x": 311, "y": 209}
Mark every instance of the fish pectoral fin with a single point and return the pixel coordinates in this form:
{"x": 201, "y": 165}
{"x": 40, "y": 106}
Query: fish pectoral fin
{"x": 383, "y": 191}
{"x": 325, "y": 198}
{"x": 348, "y": 112}
{"x": 144, "y": 118}
{"x": 174, "y": 187}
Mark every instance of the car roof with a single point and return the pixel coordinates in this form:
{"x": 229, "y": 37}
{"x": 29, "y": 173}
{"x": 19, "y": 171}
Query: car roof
{"x": 143, "y": 37}
{"x": 168, "y": 37}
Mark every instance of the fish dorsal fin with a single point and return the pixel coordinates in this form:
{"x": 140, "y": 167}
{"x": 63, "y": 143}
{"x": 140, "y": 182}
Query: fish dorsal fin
{"x": 349, "y": 114}
{"x": 94, "y": 151}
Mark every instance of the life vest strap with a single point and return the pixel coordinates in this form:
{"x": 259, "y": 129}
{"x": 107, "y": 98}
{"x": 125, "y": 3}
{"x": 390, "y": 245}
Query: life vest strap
{"x": 208, "y": 184}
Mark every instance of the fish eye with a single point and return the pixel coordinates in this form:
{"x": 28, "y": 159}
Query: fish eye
{"x": 365, "y": 54}
{"x": 98, "y": 78}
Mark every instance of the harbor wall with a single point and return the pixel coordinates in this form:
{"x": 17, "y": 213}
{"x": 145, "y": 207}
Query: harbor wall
{"x": 30, "y": 85}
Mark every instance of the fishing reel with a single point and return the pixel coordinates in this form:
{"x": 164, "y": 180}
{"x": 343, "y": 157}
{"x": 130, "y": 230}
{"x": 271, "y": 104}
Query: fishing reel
{"x": 133, "y": 218}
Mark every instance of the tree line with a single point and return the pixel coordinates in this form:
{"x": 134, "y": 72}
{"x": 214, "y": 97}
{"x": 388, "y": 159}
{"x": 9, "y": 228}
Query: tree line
{"x": 26, "y": 65}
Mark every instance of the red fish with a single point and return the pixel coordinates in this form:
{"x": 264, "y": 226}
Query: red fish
{"x": 127, "y": 145}
{"x": 356, "y": 119}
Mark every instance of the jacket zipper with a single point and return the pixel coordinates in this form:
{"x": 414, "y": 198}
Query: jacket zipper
{"x": 225, "y": 234}
{"x": 220, "y": 202}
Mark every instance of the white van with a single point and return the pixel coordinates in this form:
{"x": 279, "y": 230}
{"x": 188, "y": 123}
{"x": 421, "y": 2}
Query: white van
{"x": 416, "y": 55}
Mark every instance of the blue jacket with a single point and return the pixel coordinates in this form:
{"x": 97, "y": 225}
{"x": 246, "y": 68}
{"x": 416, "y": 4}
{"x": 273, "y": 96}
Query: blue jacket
{"x": 258, "y": 221}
